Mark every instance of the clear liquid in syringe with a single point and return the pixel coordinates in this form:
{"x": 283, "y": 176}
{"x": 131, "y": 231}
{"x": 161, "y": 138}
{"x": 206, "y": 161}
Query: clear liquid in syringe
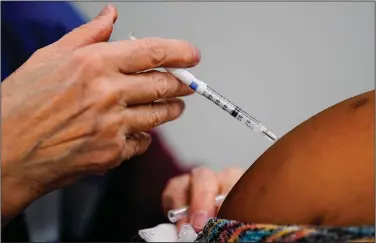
{"x": 238, "y": 113}
{"x": 202, "y": 88}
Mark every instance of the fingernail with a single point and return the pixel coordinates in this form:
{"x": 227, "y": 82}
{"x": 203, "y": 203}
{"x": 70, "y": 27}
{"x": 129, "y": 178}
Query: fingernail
{"x": 199, "y": 220}
{"x": 197, "y": 55}
{"x": 106, "y": 10}
{"x": 182, "y": 104}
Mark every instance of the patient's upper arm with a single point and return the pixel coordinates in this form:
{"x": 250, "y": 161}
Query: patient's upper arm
{"x": 322, "y": 172}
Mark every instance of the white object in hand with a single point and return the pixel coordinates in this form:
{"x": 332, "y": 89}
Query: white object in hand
{"x": 168, "y": 233}
{"x": 160, "y": 233}
{"x": 175, "y": 215}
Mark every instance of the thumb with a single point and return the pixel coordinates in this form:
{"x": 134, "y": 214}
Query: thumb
{"x": 97, "y": 30}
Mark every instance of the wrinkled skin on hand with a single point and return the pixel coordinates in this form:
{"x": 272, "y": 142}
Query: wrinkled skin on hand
{"x": 82, "y": 105}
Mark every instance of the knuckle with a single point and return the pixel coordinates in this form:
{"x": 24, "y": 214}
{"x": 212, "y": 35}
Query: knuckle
{"x": 101, "y": 29}
{"x": 178, "y": 183}
{"x": 202, "y": 192}
{"x": 175, "y": 191}
{"x": 232, "y": 172}
{"x": 202, "y": 171}
{"x": 208, "y": 179}
{"x": 126, "y": 151}
{"x": 156, "y": 51}
{"x": 146, "y": 142}
{"x": 137, "y": 147}
{"x": 90, "y": 61}
{"x": 142, "y": 146}
{"x": 161, "y": 84}
{"x": 154, "y": 118}
{"x": 79, "y": 57}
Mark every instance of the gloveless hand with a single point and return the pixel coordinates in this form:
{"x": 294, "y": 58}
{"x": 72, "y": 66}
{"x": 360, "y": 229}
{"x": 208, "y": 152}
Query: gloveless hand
{"x": 81, "y": 106}
{"x": 198, "y": 190}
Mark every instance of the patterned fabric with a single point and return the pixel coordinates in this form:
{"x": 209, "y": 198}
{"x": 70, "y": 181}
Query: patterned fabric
{"x": 222, "y": 230}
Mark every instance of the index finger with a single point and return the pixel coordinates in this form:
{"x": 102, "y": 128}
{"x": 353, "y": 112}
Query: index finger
{"x": 204, "y": 189}
{"x": 227, "y": 178}
{"x": 175, "y": 196}
{"x": 149, "y": 53}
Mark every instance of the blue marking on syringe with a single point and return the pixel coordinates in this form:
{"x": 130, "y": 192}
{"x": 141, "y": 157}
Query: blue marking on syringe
{"x": 203, "y": 89}
{"x": 193, "y": 85}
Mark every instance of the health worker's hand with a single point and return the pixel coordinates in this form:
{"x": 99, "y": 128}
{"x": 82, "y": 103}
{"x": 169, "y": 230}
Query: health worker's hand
{"x": 81, "y": 106}
{"x": 198, "y": 190}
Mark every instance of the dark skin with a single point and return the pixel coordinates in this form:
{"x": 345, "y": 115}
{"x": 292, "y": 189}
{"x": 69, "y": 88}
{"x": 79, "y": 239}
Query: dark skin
{"x": 320, "y": 173}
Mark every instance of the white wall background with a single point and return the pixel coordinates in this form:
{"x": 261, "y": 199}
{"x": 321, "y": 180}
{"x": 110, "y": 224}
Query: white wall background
{"x": 281, "y": 62}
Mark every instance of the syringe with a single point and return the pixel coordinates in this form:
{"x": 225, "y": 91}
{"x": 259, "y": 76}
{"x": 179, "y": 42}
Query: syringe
{"x": 203, "y": 89}
{"x": 174, "y": 215}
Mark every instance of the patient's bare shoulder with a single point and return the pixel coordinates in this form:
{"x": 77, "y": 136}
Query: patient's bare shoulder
{"x": 321, "y": 172}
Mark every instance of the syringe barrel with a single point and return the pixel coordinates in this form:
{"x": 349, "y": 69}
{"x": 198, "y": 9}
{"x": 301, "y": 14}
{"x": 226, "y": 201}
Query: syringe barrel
{"x": 189, "y": 79}
{"x": 203, "y": 89}
{"x": 175, "y": 215}
{"x": 238, "y": 113}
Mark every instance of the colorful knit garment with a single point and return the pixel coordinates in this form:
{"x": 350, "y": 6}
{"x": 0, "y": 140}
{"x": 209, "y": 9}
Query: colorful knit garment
{"x": 222, "y": 230}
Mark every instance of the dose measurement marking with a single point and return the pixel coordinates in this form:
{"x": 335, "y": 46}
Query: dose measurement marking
{"x": 231, "y": 109}
{"x": 237, "y": 113}
{"x": 203, "y": 89}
